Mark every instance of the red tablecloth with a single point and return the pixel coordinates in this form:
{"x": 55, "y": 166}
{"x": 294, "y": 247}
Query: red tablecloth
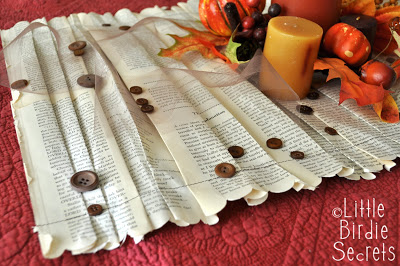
{"x": 291, "y": 228}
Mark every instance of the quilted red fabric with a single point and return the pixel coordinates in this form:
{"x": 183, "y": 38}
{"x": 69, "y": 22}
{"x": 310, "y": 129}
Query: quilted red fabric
{"x": 293, "y": 228}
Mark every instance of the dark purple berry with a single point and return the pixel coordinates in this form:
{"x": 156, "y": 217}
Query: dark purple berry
{"x": 274, "y": 10}
{"x": 265, "y": 21}
{"x": 258, "y": 17}
{"x": 259, "y": 34}
{"x": 264, "y": 24}
{"x": 242, "y": 36}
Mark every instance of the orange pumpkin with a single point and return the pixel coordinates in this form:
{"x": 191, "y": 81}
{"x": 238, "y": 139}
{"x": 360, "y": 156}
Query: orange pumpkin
{"x": 348, "y": 43}
{"x": 213, "y": 17}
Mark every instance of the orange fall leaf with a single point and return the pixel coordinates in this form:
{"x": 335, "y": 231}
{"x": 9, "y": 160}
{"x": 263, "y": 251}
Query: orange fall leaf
{"x": 387, "y": 109}
{"x": 351, "y": 85}
{"x": 203, "y": 42}
{"x": 364, "y": 94}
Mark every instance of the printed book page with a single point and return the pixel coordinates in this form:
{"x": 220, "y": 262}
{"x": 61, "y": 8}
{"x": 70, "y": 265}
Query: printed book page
{"x": 159, "y": 167}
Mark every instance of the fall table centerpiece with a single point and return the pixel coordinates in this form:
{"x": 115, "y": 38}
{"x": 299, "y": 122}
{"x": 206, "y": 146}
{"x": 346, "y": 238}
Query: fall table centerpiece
{"x": 240, "y": 27}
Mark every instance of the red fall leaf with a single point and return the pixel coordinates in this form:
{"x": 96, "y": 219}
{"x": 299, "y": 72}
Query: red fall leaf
{"x": 204, "y": 42}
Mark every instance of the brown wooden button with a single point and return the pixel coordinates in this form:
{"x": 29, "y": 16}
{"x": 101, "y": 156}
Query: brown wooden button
{"x": 225, "y": 170}
{"x": 84, "y": 181}
{"x": 236, "y": 151}
{"x": 95, "y": 209}
{"x": 313, "y": 95}
{"x": 78, "y": 45}
{"x": 136, "y": 90}
{"x": 79, "y": 52}
{"x": 147, "y": 108}
{"x": 87, "y": 81}
{"x": 124, "y": 27}
{"x": 298, "y": 155}
{"x": 142, "y": 101}
{"x": 274, "y": 143}
{"x": 19, "y": 84}
{"x": 331, "y": 131}
{"x": 106, "y": 25}
{"x": 304, "y": 109}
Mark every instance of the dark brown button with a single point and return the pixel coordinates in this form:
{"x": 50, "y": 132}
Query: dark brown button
{"x": 124, "y": 27}
{"x": 331, "y": 131}
{"x": 19, "y": 84}
{"x": 77, "y": 45}
{"x": 225, "y": 170}
{"x": 136, "y": 90}
{"x": 79, "y": 52}
{"x": 313, "y": 95}
{"x": 147, "y": 108}
{"x": 297, "y": 155}
{"x": 274, "y": 143}
{"x": 236, "y": 151}
{"x": 142, "y": 101}
{"x": 304, "y": 109}
{"x": 106, "y": 25}
{"x": 87, "y": 81}
{"x": 95, "y": 209}
{"x": 84, "y": 181}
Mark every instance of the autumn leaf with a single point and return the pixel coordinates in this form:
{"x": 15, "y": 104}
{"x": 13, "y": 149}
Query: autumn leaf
{"x": 204, "y": 42}
{"x": 351, "y": 85}
{"x": 383, "y": 35}
{"x": 353, "y": 88}
{"x": 387, "y": 109}
{"x": 396, "y": 67}
{"x": 364, "y": 7}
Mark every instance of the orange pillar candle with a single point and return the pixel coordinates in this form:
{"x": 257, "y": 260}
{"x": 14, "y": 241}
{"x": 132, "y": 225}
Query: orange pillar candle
{"x": 323, "y": 12}
{"x": 291, "y": 46}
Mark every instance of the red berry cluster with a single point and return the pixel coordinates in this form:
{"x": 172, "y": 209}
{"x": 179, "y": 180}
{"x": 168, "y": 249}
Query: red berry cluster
{"x": 254, "y": 27}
